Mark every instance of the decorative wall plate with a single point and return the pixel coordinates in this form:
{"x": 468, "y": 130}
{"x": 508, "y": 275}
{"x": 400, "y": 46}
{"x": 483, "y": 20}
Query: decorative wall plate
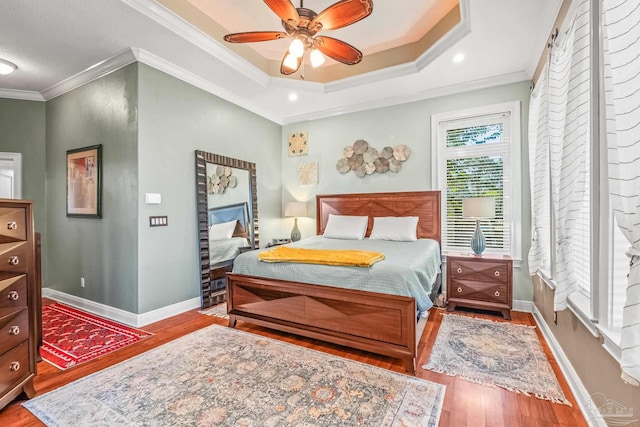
{"x": 298, "y": 144}
{"x": 366, "y": 160}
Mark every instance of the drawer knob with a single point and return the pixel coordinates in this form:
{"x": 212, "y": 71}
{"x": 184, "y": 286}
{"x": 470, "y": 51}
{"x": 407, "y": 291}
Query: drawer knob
{"x": 15, "y": 366}
{"x": 496, "y": 293}
{"x": 14, "y": 330}
{"x": 14, "y": 260}
{"x": 13, "y": 295}
{"x": 12, "y": 225}
{"x": 459, "y": 289}
{"x": 497, "y": 273}
{"x": 459, "y": 270}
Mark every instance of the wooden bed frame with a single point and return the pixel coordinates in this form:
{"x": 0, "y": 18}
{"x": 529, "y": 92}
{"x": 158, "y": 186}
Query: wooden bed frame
{"x": 379, "y": 323}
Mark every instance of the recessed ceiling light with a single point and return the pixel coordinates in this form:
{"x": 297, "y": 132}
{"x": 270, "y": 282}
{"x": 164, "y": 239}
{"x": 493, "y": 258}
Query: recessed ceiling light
{"x": 458, "y": 58}
{"x": 293, "y": 96}
{"x": 7, "y": 67}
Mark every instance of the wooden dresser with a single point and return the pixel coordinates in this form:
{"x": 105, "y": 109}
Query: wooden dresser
{"x": 480, "y": 281}
{"x": 19, "y": 333}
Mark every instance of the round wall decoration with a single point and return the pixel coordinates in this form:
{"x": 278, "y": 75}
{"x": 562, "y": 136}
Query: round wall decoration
{"x": 366, "y": 160}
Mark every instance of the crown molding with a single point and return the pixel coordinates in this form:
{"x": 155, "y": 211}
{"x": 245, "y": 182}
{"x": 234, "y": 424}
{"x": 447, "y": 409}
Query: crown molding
{"x": 94, "y": 72}
{"x": 418, "y": 96}
{"x": 201, "y": 83}
{"x": 25, "y": 95}
{"x": 179, "y": 26}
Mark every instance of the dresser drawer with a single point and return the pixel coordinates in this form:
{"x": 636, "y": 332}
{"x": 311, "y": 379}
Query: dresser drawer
{"x": 494, "y": 272}
{"x": 13, "y": 290}
{"x": 12, "y": 225}
{"x": 14, "y": 366}
{"x": 14, "y": 329}
{"x": 480, "y": 291}
{"x": 14, "y": 257}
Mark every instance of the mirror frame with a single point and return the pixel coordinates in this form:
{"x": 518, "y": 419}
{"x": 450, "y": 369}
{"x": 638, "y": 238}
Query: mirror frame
{"x": 202, "y": 158}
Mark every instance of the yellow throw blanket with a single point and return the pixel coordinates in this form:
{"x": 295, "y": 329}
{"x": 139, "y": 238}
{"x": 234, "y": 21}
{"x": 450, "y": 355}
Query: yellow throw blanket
{"x": 321, "y": 256}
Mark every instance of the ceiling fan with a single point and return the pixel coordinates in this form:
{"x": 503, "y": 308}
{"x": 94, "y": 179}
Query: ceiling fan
{"x": 303, "y": 25}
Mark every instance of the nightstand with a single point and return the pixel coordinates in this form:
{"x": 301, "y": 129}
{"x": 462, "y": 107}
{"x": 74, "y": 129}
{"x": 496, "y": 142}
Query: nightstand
{"x": 218, "y": 281}
{"x": 278, "y": 242}
{"x": 480, "y": 281}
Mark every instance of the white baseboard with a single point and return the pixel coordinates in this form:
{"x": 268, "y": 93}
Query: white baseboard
{"x": 118, "y": 315}
{"x": 524, "y": 306}
{"x": 586, "y": 404}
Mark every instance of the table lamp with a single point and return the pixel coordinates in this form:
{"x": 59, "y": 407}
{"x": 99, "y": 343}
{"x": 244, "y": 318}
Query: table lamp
{"x": 295, "y": 210}
{"x": 478, "y": 208}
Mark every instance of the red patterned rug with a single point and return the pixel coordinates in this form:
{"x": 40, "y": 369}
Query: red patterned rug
{"x": 71, "y": 336}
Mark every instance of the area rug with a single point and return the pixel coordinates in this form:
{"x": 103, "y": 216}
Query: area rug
{"x": 494, "y": 353}
{"x": 224, "y": 377}
{"x": 219, "y": 310}
{"x": 71, "y": 336}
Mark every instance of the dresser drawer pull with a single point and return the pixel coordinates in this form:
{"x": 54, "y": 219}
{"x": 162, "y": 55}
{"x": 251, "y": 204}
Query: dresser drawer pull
{"x": 497, "y": 273}
{"x": 12, "y": 225}
{"x": 459, "y": 270}
{"x": 496, "y": 293}
{"x": 14, "y": 260}
{"x": 14, "y": 330}
{"x": 13, "y": 295}
{"x": 15, "y": 366}
{"x": 459, "y": 289}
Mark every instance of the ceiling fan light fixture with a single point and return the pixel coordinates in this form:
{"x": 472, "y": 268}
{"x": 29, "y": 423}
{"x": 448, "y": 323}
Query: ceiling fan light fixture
{"x": 7, "y": 67}
{"x": 296, "y": 48}
{"x": 317, "y": 58}
{"x": 290, "y": 62}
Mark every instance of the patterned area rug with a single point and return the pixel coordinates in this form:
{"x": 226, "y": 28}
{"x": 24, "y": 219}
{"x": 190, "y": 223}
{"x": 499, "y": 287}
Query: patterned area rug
{"x": 71, "y": 336}
{"x": 219, "y": 310}
{"x": 494, "y": 353}
{"x": 225, "y": 377}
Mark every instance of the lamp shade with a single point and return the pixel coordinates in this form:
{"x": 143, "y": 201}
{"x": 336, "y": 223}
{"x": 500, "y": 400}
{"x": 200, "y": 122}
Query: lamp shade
{"x": 295, "y": 209}
{"x": 479, "y": 207}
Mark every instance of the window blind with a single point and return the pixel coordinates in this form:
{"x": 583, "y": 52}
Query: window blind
{"x": 476, "y": 163}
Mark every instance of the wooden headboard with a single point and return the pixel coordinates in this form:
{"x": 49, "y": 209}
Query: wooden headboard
{"x": 423, "y": 204}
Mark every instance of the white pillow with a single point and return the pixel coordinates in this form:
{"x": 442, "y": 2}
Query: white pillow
{"x": 222, "y": 231}
{"x": 398, "y": 228}
{"x": 346, "y": 227}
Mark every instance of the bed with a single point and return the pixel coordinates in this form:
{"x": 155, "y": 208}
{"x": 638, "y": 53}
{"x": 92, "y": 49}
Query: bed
{"x": 221, "y": 250}
{"x": 378, "y": 322}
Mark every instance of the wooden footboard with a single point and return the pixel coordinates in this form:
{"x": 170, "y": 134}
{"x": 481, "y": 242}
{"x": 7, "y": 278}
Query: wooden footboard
{"x": 379, "y": 323}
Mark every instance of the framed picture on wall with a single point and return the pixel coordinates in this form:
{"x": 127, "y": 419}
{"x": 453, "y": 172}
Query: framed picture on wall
{"x": 84, "y": 182}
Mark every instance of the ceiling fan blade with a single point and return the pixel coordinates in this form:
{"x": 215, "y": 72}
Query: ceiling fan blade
{"x": 286, "y": 70}
{"x": 338, "y": 50}
{"x": 254, "y": 36}
{"x": 284, "y": 9}
{"x": 341, "y": 14}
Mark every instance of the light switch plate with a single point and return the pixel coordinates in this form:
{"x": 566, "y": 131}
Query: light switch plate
{"x": 153, "y": 198}
{"x": 158, "y": 221}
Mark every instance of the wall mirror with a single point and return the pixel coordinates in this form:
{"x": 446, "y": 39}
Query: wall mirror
{"x": 227, "y": 217}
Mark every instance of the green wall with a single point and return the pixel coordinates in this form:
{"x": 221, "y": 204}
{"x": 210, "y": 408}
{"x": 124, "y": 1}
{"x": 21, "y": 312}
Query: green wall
{"x": 408, "y": 124}
{"x": 103, "y": 251}
{"x": 175, "y": 119}
{"x": 22, "y": 130}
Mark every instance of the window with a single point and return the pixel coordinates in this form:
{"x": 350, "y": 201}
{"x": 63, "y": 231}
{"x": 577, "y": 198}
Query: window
{"x": 477, "y": 152}
{"x": 597, "y": 62}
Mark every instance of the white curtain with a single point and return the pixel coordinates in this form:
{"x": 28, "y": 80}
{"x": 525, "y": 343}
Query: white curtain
{"x": 539, "y": 173}
{"x": 621, "y": 32}
{"x": 569, "y": 99}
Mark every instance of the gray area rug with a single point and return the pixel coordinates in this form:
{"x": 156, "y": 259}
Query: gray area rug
{"x": 494, "y": 353}
{"x": 224, "y": 377}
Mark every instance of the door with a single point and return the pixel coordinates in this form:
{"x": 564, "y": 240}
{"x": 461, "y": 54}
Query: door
{"x": 10, "y": 176}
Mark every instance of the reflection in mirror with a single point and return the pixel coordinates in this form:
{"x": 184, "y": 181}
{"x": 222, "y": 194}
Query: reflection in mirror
{"x": 227, "y": 218}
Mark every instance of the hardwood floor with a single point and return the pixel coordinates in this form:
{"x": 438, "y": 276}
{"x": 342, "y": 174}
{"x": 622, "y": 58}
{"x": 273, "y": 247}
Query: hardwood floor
{"x": 465, "y": 404}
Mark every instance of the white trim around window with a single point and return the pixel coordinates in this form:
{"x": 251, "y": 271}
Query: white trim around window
{"x": 515, "y": 178}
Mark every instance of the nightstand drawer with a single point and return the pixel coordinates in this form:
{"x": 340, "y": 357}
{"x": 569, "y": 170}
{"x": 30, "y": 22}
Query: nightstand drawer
{"x": 493, "y": 272}
{"x": 14, "y": 329}
{"x": 468, "y": 289}
{"x": 14, "y": 366}
{"x": 13, "y": 291}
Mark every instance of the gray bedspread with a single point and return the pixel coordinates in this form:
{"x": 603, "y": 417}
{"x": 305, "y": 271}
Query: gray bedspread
{"x": 409, "y": 268}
